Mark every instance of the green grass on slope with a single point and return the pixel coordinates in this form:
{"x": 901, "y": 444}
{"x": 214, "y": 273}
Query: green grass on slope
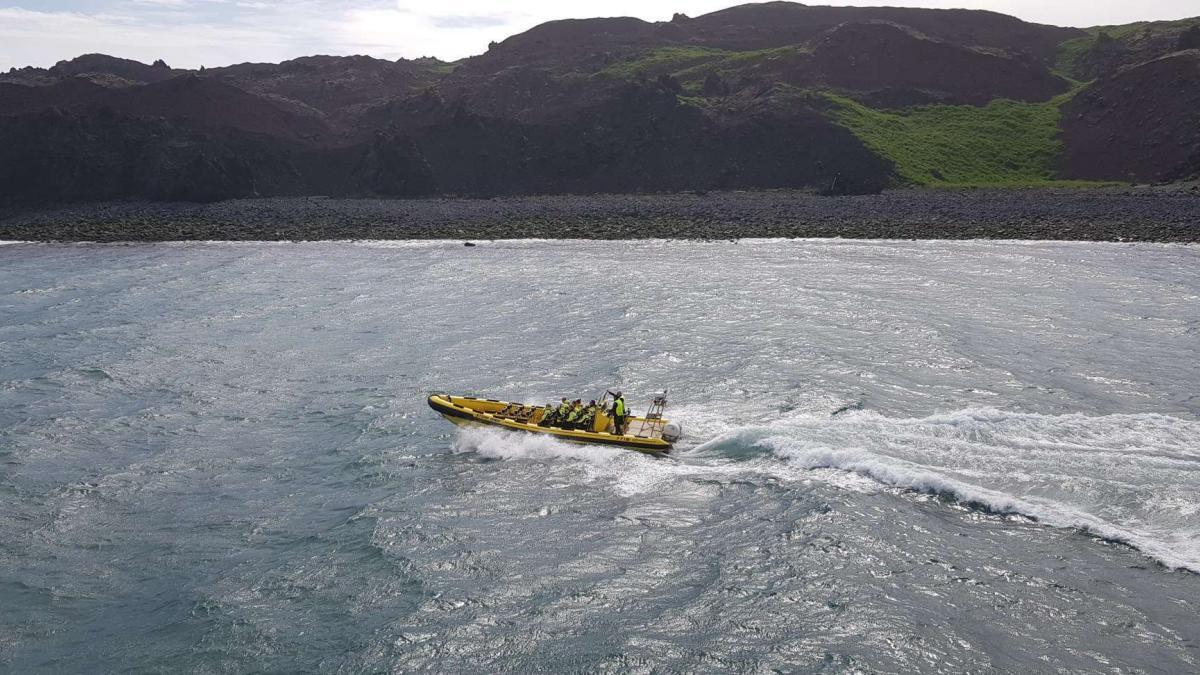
{"x": 690, "y": 65}
{"x": 446, "y": 67}
{"x": 664, "y": 60}
{"x": 1070, "y": 53}
{"x": 1005, "y": 143}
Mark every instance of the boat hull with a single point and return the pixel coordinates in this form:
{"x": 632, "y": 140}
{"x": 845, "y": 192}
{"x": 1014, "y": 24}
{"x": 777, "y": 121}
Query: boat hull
{"x": 465, "y": 411}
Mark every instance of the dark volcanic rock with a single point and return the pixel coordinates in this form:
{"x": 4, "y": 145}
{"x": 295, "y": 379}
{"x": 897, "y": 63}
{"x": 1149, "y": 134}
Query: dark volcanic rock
{"x": 99, "y": 69}
{"x": 394, "y": 166}
{"x": 211, "y": 103}
{"x": 875, "y": 56}
{"x": 1094, "y": 215}
{"x": 777, "y": 24}
{"x": 632, "y": 138}
{"x": 86, "y": 155}
{"x": 202, "y": 101}
{"x": 714, "y": 85}
{"x": 337, "y": 86}
{"x": 57, "y": 156}
{"x": 1142, "y": 123}
{"x": 1189, "y": 39}
{"x": 589, "y": 45}
{"x": 22, "y": 99}
{"x": 1105, "y": 54}
{"x": 102, "y": 64}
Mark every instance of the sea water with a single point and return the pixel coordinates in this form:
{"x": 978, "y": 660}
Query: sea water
{"x": 900, "y": 456}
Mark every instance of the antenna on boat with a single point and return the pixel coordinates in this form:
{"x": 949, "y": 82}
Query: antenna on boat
{"x": 657, "y": 406}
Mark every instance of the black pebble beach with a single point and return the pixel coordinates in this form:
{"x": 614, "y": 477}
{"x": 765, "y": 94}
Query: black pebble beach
{"x": 1108, "y": 214}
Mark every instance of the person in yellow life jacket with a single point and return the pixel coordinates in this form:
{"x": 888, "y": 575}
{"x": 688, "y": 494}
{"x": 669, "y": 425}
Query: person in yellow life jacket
{"x": 619, "y": 413}
{"x": 547, "y": 415}
{"x": 564, "y": 408}
{"x": 589, "y": 416}
{"x": 575, "y": 414}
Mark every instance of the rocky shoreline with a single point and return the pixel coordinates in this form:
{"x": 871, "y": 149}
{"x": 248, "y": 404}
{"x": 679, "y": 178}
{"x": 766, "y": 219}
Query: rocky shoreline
{"x": 1110, "y": 214}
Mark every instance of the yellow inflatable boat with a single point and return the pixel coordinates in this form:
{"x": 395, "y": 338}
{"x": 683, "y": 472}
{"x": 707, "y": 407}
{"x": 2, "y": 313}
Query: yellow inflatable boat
{"x": 650, "y": 434}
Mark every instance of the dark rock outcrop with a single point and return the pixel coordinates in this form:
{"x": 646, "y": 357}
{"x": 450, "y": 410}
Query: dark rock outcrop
{"x": 203, "y": 101}
{"x": 338, "y": 86}
{"x": 714, "y": 85}
{"x": 1189, "y": 39}
{"x": 778, "y": 24}
{"x": 102, "y": 64}
{"x": 870, "y": 57}
{"x": 1116, "y": 47}
{"x": 64, "y": 156}
{"x": 589, "y": 45}
{"x": 392, "y": 165}
{"x": 99, "y": 69}
{"x": 1140, "y": 124}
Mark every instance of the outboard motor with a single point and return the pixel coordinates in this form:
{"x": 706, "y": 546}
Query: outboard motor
{"x": 672, "y": 432}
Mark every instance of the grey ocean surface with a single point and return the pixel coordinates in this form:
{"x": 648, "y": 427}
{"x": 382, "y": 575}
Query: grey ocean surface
{"x": 218, "y": 458}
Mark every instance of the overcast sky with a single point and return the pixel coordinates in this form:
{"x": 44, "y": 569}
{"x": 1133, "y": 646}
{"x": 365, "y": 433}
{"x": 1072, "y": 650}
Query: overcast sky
{"x": 190, "y": 33}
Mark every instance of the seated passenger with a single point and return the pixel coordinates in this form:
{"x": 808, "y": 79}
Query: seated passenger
{"x": 560, "y": 415}
{"x": 589, "y": 416}
{"x": 547, "y": 415}
{"x": 574, "y": 415}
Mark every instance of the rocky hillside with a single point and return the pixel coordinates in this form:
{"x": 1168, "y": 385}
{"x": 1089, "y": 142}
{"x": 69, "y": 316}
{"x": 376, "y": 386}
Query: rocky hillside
{"x": 773, "y": 95}
{"x": 1107, "y": 49}
{"x": 1142, "y": 122}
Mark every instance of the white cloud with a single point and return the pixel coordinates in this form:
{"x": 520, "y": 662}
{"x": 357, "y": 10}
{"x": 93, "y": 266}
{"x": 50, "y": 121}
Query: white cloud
{"x": 452, "y": 30}
{"x": 43, "y": 38}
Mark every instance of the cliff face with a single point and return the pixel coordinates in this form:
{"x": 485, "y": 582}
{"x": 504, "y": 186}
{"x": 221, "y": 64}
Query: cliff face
{"x": 742, "y": 98}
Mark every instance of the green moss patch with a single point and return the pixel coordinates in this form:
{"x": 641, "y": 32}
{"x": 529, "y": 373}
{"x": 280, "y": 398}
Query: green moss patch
{"x": 1005, "y": 143}
{"x": 662, "y": 61}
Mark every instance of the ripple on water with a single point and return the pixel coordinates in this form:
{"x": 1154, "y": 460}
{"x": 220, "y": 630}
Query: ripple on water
{"x": 219, "y": 457}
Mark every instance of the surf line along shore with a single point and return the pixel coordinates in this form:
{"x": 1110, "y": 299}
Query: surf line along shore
{"x": 1094, "y": 214}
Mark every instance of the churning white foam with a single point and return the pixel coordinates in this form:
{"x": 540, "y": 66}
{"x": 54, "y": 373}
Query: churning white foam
{"x": 508, "y": 445}
{"x": 628, "y": 472}
{"x": 1128, "y": 478}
